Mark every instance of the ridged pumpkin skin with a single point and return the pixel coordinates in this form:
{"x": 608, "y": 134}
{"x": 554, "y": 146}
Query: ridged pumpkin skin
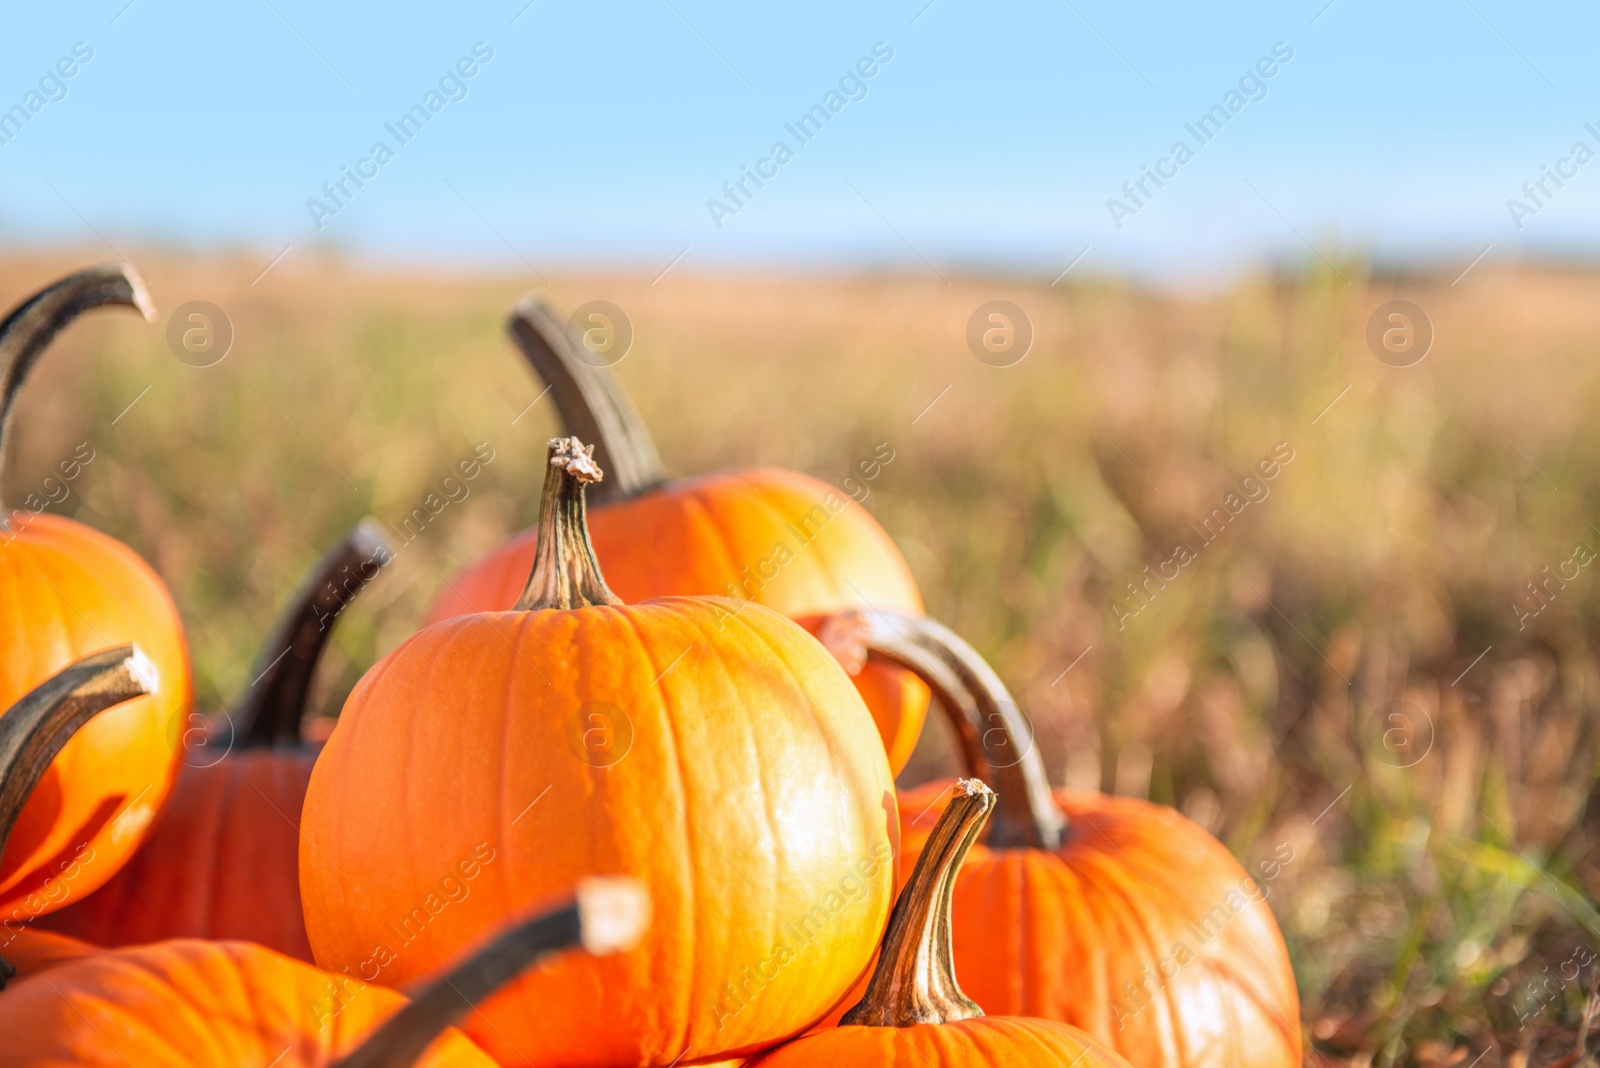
{"x": 187, "y": 1002}
{"x": 1071, "y": 935}
{"x": 753, "y": 795}
{"x": 69, "y": 590}
{"x": 220, "y": 862}
{"x": 743, "y": 535}
{"x": 984, "y": 1042}
{"x": 29, "y": 950}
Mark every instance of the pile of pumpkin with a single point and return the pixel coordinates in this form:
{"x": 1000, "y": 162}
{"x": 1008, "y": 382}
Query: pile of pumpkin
{"x": 589, "y": 815}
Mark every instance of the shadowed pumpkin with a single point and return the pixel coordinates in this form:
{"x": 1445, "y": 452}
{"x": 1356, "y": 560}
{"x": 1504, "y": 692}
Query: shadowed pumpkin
{"x": 1114, "y": 915}
{"x": 716, "y": 750}
{"x": 778, "y": 538}
{"x": 914, "y": 1013}
{"x": 186, "y": 1002}
{"x": 222, "y": 859}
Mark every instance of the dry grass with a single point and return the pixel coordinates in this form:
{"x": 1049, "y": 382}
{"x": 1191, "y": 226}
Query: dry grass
{"x": 1439, "y": 905}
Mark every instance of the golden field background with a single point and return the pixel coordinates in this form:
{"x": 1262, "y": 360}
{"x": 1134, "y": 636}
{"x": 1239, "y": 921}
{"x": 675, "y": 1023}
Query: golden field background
{"x": 1440, "y": 898}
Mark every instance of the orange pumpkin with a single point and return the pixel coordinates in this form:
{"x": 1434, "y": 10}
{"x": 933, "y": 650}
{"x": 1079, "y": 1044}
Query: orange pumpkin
{"x": 778, "y": 538}
{"x": 32, "y": 732}
{"x": 1114, "y": 915}
{"x": 187, "y": 1001}
{"x": 222, "y": 859}
{"x": 492, "y": 758}
{"x": 70, "y": 590}
{"x": 25, "y": 951}
{"x": 914, "y": 1012}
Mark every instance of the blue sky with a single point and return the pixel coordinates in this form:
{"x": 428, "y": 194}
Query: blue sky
{"x": 993, "y": 138}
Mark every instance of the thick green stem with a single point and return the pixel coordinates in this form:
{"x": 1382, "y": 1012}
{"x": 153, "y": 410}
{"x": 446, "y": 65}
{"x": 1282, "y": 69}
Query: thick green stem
{"x": 565, "y": 572}
{"x": 591, "y": 402}
{"x": 273, "y": 708}
{"x": 915, "y": 979}
{"x": 995, "y": 737}
{"x": 31, "y": 326}
{"x": 604, "y": 916}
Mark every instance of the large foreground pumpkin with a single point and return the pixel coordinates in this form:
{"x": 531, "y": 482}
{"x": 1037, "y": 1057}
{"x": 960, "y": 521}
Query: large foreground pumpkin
{"x": 32, "y": 732}
{"x": 69, "y": 590}
{"x": 914, "y": 1013}
{"x": 778, "y": 538}
{"x": 722, "y": 755}
{"x": 222, "y": 860}
{"x": 190, "y": 1002}
{"x": 1112, "y": 914}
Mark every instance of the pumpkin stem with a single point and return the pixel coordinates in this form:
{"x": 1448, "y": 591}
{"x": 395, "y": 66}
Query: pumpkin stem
{"x": 996, "y": 740}
{"x": 31, "y": 326}
{"x": 915, "y": 980}
{"x": 604, "y": 916}
{"x": 591, "y": 402}
{"x": 33, "y": 730}
{"x": 565, "y": 572}
{"x": 273, "y": 707}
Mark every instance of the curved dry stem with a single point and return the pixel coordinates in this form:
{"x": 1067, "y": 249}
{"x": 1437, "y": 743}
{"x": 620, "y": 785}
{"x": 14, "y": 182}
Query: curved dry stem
{"x": 34, "y": 323}
{"x": 565, "y": 572}
{"x": 915, "y": 980}
{"x": 996, "y": 740}
{"x": 591, "y": 402}
{"x": 272, "y": 709}
{"x": 604, "y": 916}
{"x": 33, "y": 730}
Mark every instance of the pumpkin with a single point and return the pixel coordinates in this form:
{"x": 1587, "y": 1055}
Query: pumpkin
{"x": 32, "y": 732}
{"x": 914, "y": 1012}
{"x": 778, "y": 538}
{"x": 27, "y": 950}
{"x": 1112, "y": 914}
{"x": 222, "y": 859}
{"x": 714, "y": 748}
{"x": 68, "y": 591}
{"x": 188, "y": 1001}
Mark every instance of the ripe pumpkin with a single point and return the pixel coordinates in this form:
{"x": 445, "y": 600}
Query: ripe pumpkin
{"x": 25, "y": 951}
{"x": 779, "y": 538}
{"x": 188, "y": 1001}
{"x": 32, "y": 732}
{"x": 222, "y": 859}
{"x": 913, "y": 1001}
{"x": 1112, "y": 914}
{"x": 70, "y": 590}
{"x": 722, "y": 754}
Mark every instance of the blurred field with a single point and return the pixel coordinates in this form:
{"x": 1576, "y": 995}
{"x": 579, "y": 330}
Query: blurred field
{"x": 1440, "y": 900}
